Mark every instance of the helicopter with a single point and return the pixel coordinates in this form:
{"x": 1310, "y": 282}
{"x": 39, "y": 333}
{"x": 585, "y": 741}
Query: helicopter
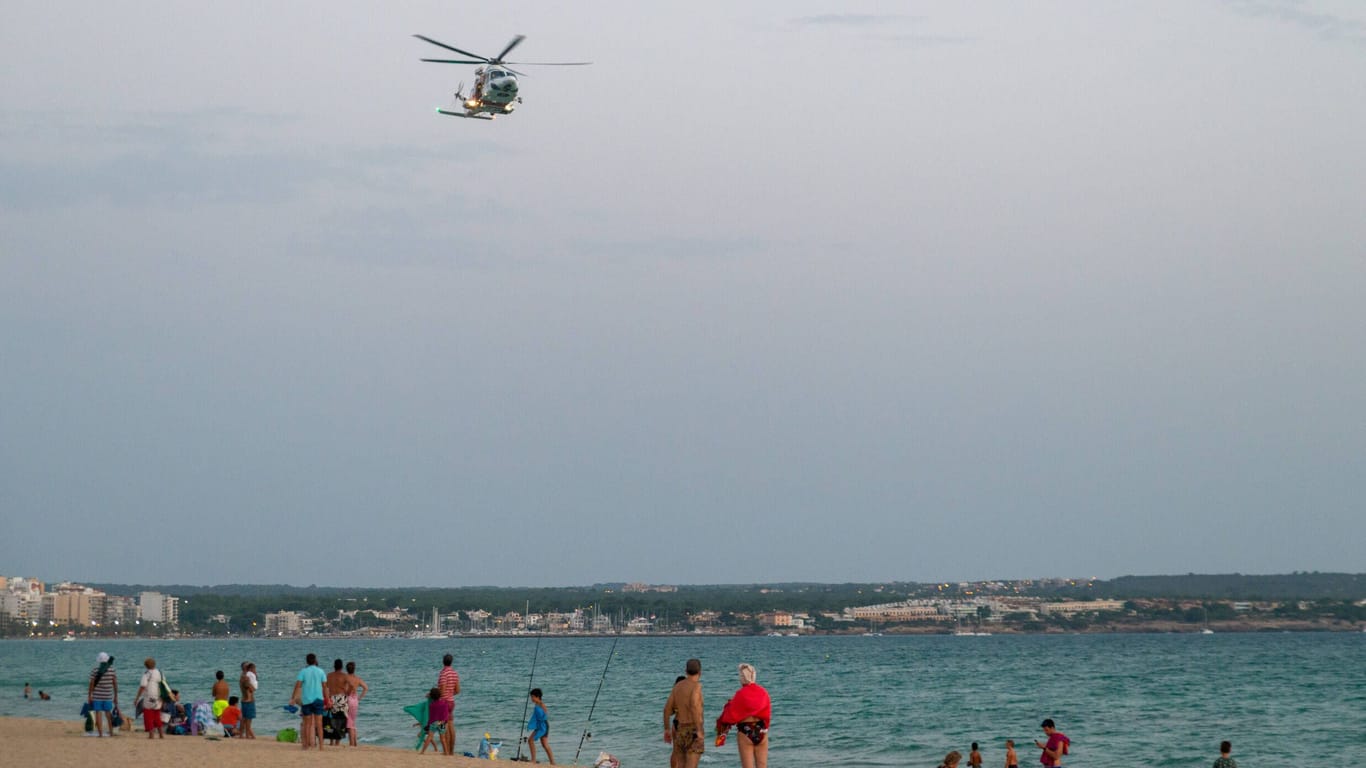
{"x": 495, "y": 83}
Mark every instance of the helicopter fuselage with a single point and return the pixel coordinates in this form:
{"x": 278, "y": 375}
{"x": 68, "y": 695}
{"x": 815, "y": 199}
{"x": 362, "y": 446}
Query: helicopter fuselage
{"x": 494, "y": 92}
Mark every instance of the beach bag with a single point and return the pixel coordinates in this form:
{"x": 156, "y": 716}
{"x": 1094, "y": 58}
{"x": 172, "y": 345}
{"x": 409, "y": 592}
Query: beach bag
{"x": 115, "y": 719}
{"x": 334, "y": 726}
{"x": 89, "y": 716}
{"x": 287, "y": 735}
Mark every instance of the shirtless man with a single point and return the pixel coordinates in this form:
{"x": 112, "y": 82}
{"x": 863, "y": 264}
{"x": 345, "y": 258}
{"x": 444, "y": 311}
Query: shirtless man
{"x": 248, "y": 684}
{"x": 685, "y": 703}
{"x": 220, "y": 693}
{"x": 337, "y": 689}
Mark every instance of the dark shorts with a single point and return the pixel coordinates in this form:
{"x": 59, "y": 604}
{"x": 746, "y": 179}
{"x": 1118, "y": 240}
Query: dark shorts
{"x": 313, "y": 708}
{"x": 248, "y": 710}
{"x": 102, "y": 706}
{"x": 688, "y": 740}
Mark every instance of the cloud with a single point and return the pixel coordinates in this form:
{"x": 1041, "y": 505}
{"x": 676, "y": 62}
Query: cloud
{"x": 183, "y": 160}
{"x": 853, "y": 20}
{"x": 880, "y": 27}
{"x": 1326, "y": 26}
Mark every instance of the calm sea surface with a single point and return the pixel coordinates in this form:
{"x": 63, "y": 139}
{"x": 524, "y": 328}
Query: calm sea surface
{"x": 1125, "y": 700}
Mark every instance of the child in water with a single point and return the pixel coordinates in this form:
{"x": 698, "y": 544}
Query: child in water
{"x": 975, "y": 757}
{"x": 538, "y": 727}
{"x": 1011, "y": 760}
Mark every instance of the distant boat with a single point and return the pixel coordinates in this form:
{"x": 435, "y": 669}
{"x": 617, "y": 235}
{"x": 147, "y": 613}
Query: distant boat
{"x": 1206, "y": 631}
{"x": 69, "y": 639}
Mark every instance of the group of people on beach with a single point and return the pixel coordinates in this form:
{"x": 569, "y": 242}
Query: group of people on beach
{"x": 159, "y": 704}
{"x": 337, "y": 696}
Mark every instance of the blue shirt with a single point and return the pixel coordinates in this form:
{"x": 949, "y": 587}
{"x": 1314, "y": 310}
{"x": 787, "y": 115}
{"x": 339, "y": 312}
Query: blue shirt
{"x": 538, "y": 725}
{"x": 312, "y": 677}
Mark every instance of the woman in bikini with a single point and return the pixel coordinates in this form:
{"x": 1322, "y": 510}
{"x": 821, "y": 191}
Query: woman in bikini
{"x": 750, "y": 712}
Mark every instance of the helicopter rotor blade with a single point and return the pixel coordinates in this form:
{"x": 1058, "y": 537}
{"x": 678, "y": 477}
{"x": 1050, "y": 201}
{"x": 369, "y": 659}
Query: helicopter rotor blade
{"x": 453, "y": 61}
{"x": 515, "y": 42}
{"x": 452, "y": 48}
{"x": 549, "y": 63}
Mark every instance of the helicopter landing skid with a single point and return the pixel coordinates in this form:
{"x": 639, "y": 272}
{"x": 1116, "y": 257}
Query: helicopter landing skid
{"x": 464, "y": 115}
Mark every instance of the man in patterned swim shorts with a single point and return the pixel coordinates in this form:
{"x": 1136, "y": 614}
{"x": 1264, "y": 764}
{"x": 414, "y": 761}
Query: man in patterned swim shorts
{"x": 685, "y": 703}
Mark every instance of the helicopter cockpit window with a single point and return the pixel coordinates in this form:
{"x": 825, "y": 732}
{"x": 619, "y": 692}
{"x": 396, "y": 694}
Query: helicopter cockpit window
{"x": 497, "y": 73}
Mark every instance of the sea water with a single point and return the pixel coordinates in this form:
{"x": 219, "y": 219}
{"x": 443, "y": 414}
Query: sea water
{"x": 1125, "y": 700}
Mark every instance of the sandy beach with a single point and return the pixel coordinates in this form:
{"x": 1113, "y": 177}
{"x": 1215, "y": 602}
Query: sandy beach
{"x": 31, "y": 742}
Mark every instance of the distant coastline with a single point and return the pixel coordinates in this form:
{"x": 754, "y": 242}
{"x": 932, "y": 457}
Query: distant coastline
{"x": 1298, "y": 602}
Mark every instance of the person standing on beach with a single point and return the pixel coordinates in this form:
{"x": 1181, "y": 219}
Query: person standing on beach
{"x": 358, "y": 691}
{"x": 448, "y": 682}
{"x": 1225, "y": 756}
{"x": 220, "y": 694}
{"x": 338, "y": 688}
{"x": 539, "y": 727}
{"x": 750, "y": 711}
{"x": 1055, "y": 747}
{"x": 308, "y": 695}
{"x": 685, "y": 702}
{"x": 1012, "y": 761}
{"x": 103, "y": 694}
{"x": 248, "y": 684}
{"x": 149, "y": 695}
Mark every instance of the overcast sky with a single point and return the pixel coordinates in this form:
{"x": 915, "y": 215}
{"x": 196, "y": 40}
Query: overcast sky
{"x": 773, "y": 291}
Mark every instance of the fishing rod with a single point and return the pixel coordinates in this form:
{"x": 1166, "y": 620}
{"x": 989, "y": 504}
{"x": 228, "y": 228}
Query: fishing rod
{"x": 586, "y": 734}
{"x": 527, "y": 705}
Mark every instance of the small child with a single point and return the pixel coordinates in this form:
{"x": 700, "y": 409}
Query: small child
{"x": 1011, "y": 760}
{"x": 975, "y": 757}
{"x": 232, "y": 715}
{"x": 1224, "y": 761}
{"x": 951, "y": 760}
{"x": 538, "y": 727}
{"x": 438, "y": 710}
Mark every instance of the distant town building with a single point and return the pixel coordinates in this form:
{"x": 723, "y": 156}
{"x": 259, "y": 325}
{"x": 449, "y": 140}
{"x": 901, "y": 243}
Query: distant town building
{"x": 286, "y": 623}
{"x": 158, "y": 608}
{"x": 1074, "y": 607}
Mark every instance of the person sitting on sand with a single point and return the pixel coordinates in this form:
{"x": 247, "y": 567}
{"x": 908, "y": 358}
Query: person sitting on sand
{"x": 232, "y": 715}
